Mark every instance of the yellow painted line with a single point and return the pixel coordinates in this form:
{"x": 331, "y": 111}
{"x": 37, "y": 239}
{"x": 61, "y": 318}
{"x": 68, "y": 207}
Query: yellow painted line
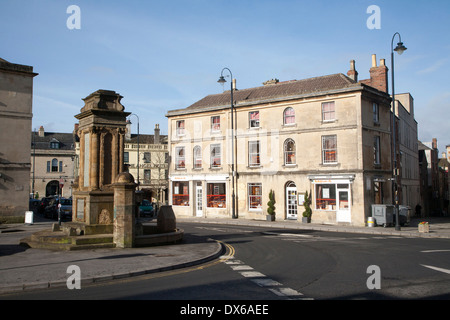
{"x": 223, "y": 258}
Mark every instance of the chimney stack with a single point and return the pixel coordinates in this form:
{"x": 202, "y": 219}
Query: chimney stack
{"x": 156, "y": 138}
{"x": 352, "y": 73}
{"x": 41, "y": 132}
{"x": 378, "y": 75}
{"x": 434, "y": 143}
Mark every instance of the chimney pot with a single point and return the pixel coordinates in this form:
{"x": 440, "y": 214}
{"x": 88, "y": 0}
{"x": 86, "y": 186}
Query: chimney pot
{"x": 41, "y": 132}
{"x": 374, "y": 61}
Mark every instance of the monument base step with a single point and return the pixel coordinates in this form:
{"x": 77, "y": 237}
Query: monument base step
{"x": 59, "y": 240}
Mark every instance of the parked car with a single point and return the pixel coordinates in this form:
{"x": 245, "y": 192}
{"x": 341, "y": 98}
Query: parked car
{"x": 146, "y": 208}
{"x": 66, "y": 208}
{"x": 51, "y": 210}
{"x": 43, "y": 204}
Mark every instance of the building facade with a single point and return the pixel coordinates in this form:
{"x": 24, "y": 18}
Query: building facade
{"x": 409, "y": 180}
{"x": 328, "y": 136}
{"x": 153, "y": 163}
{"x": 16, "y": 99}
{"x": 52, "y": 163}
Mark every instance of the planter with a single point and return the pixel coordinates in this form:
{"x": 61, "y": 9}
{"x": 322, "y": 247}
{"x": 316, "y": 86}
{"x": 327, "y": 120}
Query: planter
{"x": 306, "y": 219}
{"x": 424, "y": 228}
{"x": 270, "y": 217}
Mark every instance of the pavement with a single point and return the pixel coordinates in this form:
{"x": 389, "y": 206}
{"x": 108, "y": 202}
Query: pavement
{"x": 24, "y": 268}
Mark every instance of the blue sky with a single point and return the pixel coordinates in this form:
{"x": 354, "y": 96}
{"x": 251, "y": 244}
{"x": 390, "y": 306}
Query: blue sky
{"x": 164, "y": 55}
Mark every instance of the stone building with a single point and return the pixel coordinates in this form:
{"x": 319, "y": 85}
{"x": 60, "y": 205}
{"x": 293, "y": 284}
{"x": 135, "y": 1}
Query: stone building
{"x": 329, "y": 136}
{"x": 16, "y": 98}
{"x": 409, "y": 187}
{"x": 52, "y": 163}
{"x": 153, "y": 163}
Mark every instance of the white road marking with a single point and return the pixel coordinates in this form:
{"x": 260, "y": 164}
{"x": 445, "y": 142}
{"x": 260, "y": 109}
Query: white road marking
{"x": 431, "y": 251}
{"x": 262, "y": 280}
{"x": 437, "y": 269}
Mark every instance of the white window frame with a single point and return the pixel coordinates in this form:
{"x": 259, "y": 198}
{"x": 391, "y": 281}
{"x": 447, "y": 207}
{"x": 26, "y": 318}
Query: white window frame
{"x": 181, "y": 129}
{"x": 217, "y": 154}
{"x": 285, "y": 116}
{"x": 198, "y": 157}
{"x": 328, "y": 112}
{"x": 251, "y": 196}
{"x": 326, "y": 150}
{"x": 180, "y": 158}
{"x": 254, "y": 123}
{"x": 287, "y": 152}
{"x": 252, "y": 153}
{"x": 215, "y": 126}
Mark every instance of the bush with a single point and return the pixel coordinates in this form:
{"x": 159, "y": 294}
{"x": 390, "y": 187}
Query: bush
{"x": 271, "y": 203}
{"x": 307, "y": 204}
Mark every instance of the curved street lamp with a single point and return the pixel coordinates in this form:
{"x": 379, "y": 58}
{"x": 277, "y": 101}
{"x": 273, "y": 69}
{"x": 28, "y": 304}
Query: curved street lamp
{"x": 138, "y": 182}
{"x": 222, "y": 81}
{"x": 400, "y": 48}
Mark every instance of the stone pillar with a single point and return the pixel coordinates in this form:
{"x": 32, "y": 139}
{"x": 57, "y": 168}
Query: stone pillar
{"x": 124, "y": 205}
{"x": 94, "y": 160}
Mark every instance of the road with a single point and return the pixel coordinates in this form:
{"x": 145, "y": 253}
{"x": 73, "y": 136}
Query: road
{"x": 270, "y": 264}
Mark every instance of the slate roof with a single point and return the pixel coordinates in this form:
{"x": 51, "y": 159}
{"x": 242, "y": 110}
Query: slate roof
{"x": 273, "y": 92}
{"x": 147, "y": 139}
{"x": 66, "y": 140}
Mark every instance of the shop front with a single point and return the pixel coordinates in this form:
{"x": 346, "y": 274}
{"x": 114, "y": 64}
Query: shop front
{"x": 200, "y": 195}
{"x": 332, "y": 198}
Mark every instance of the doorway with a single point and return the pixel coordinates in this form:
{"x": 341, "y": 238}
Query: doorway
{"x": 343, "y": 213}
{"x": 291, "y": 201}
{"x": 199, "y": 200}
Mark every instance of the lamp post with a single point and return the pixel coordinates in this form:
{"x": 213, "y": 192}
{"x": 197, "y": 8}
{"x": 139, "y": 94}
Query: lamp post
{"x": 138, "y": 182}
{"x": 400, "y": 48}
{"x": 233, "y": 173}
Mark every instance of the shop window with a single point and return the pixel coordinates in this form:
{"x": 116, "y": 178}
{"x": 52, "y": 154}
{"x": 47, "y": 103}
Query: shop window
{"x": 216, "y": 195}
{"x": 180, "y": 193}
{"x": 326, "y": 196}
{"x": 255, "y": 195}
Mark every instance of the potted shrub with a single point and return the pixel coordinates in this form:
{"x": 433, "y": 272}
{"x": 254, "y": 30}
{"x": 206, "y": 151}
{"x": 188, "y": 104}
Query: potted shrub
{"x": 308, "y": 212}
{"x": 271, "y": 207}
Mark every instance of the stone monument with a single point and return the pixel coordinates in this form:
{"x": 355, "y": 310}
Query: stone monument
{"x": 102, "y": 127}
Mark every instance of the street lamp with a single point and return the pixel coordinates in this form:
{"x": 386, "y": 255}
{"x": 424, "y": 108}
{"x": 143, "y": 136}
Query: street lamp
{"x": 222, "y": 81}
{"x": 400, "y": 48}
{"x": 138, "y": 182}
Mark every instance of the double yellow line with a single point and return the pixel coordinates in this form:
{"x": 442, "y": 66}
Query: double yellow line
{"x": 230, "y": 251}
